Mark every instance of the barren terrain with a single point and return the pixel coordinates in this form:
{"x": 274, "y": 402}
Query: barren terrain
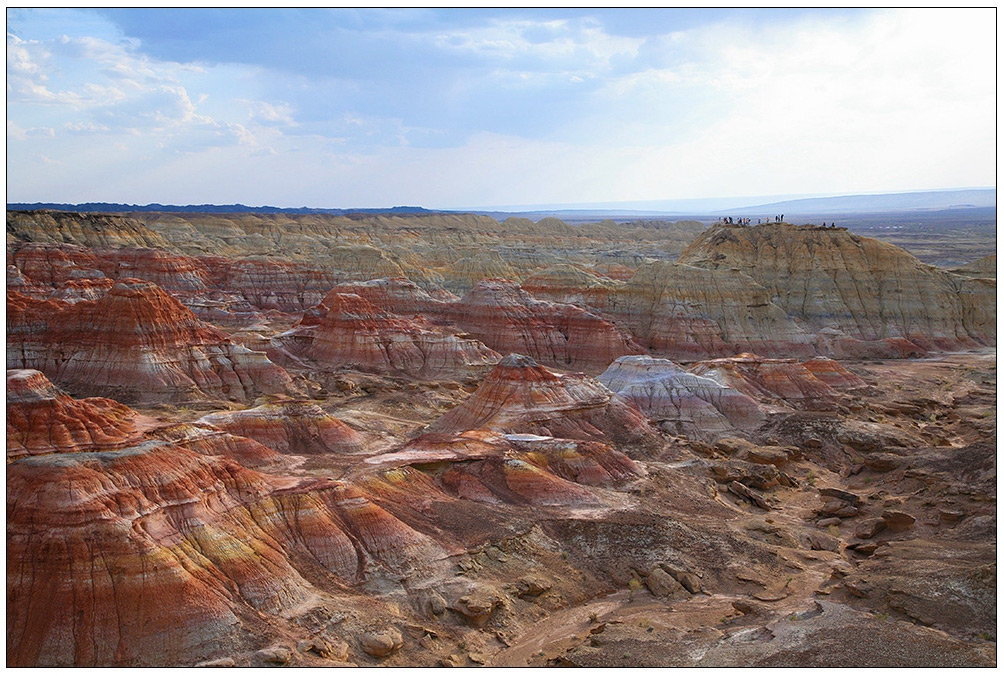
{"x": 418, "y": 441}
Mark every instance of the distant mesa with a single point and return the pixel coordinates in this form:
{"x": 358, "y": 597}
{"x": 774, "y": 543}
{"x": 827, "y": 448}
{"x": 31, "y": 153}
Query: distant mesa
{"x": 776, "y": 290}
{"x": 114, "y": 207}
{"x": 862, "y": 288}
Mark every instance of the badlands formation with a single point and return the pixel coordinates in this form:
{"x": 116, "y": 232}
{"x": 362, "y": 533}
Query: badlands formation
{"x": 438, "y": 439}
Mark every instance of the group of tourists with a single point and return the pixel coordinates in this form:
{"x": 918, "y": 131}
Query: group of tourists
{"x": 729, "y": 220}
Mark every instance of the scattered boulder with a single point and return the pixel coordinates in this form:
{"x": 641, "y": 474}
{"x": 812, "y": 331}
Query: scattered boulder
{"x": 741, "y": 490}
{"x": 883, "y": 461}
{"x": 732, "y": 445}
{"x": 225, "y": 662}
{"x": 869, "y": 528}
{"x": 382, "y": 643}
{"x": 275, "y": 654}
{"x": 898, "y": 521}
{"x": 836, "y": 493}
{"x": 687, "y": 579}
{"x": 478, "y": 606}
{"x": 838, "y": 508}
{"x": 435, "y": 604}
{"x": 858, "y": 587}
{"x": 533, "y": 585}
{"x": 767, "y": 455}
{"x": 819, "y": 541}
{"x": 662, "y": 585}
{"x": 745, "y": 607}
{"x": 950, "y": 515}
{"x": 758, "y": 476}
{"x": 864, "y": 547}
{"x": 337, "y": 650}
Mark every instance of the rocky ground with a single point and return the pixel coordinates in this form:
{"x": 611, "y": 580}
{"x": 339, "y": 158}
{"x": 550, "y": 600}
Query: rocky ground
{"x": 227, "y": 461}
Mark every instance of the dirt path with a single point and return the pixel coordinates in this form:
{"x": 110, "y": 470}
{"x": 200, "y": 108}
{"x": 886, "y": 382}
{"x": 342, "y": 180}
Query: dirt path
{"x": 558, "y": 631}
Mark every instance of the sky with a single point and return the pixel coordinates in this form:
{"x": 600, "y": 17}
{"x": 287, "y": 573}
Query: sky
{"x": 341, "y": 108}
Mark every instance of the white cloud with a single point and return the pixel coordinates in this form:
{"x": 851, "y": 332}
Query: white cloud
{"x": 112, "y": 89}
{"x": 85, "y": 127}
{"x": 574, "y": 47}
{"x": 280, "y": 113}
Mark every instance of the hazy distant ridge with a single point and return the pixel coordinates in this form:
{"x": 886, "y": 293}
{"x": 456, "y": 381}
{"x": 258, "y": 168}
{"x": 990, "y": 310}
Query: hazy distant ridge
{"x": 899, "y": 201}
{"x": 111, "y": 207}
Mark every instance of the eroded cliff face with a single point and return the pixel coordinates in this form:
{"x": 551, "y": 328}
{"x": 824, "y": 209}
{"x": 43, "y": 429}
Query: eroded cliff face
{"x": 97, "y": 230}
{"x": 861, "y": 287}
{"x": 689, "y": 313}
{"x": 42, "y": 419}
{"x": 508, "y": 319}
{"x": 521, "y": 396}
{"x": 347, "y": 329}
{"x": 290, "y": 426}
{"x": 135, "y": 343}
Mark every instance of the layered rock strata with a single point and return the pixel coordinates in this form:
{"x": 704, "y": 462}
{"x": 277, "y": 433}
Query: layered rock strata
{"x": 520, "y": 396}
{"x": 41, "y": 419}
{"x": 153, "y": 554}
{"x": 829, "y": 278}
{"x": 399, "y": 296}
{"x": 779, "y": 379}
{"x": 832, "y": 373}
{"x": 290, "y": 427}
{"x": 688, "y": 313}
{"x": 508, "y": 319}
{"x": 570, "y": 284}
{"x": 494, "y": 468}
{"x": 346, "y": 329}
{"x": 689, "y": 404}
{"x": 136, "y": 343}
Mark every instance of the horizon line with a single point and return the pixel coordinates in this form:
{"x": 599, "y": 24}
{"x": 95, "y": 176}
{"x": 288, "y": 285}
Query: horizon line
{"x": 628, "y": 205}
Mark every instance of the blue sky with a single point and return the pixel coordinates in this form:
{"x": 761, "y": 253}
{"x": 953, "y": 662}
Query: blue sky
{"x": 485, "y": 108}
